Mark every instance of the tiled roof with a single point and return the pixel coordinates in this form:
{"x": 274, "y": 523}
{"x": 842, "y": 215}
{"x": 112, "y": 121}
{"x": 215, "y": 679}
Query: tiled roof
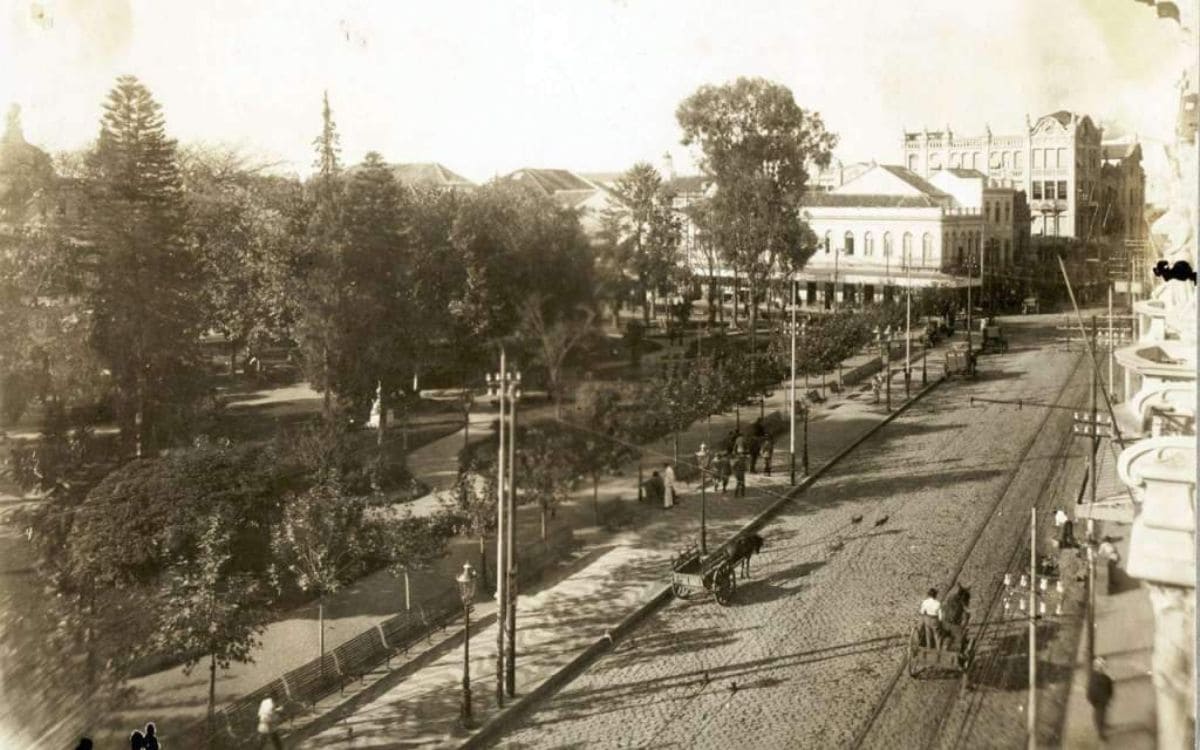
{"x": 424, "y": 174}
{"x": 914, "y": 179}
{"x": 840, "y": 200}
{"x": 551, "y": 180}
{"x": 430, "y": 173}
{"x": 603, "y": 179}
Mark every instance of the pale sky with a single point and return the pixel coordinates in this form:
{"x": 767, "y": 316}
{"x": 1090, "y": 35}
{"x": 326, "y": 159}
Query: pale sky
{"x": 590, "y": 85}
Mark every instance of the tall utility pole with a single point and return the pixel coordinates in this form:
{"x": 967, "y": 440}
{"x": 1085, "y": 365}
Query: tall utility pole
{"x": 501, "y": 540}
{"x": 1031, "y": 714}
{"x": 1095, "y": 442}
{"x": 510, "y": 545}
{"x": 792, "y": 410}
{"x": 907, "y": 330}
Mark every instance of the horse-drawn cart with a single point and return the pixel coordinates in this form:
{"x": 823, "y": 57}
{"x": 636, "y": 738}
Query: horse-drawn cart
{"x": 693, "y": 574}
{"x": 923, "y": 657}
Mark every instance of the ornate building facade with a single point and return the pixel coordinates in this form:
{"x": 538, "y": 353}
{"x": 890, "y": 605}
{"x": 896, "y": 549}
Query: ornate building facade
{"x": 1056, "y": 162}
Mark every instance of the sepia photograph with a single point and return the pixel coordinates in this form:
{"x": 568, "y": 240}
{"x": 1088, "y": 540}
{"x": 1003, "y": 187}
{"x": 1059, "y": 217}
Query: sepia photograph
{"x": 787, "y": 374}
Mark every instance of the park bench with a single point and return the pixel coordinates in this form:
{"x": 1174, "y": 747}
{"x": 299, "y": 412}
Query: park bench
{"x": 310, "y": 683}
{"x": 399, "y": 633}
{"x": 358, "y": 656}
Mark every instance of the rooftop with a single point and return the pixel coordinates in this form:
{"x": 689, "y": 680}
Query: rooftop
{"x": 869, "y": 200}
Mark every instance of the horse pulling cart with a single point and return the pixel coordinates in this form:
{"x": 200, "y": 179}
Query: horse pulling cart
{"x": 922, "y": 657}
{"x": 693, "y": 574}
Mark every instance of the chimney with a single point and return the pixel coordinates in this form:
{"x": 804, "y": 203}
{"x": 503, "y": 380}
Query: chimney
{"x": 668, "y": 166}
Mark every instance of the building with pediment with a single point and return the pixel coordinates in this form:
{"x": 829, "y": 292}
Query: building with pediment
{"x": 1056, "y": 162}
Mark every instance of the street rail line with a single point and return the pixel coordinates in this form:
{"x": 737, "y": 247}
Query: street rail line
{"x": 891, "y": 684}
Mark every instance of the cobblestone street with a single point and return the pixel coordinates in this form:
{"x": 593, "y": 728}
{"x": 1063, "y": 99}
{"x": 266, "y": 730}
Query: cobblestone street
{"x": 814, "y": 639}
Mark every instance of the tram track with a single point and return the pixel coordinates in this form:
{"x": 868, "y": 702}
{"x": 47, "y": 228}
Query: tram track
{"x": 864, "y": 734}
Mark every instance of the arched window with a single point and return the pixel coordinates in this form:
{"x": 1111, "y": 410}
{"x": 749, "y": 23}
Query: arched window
{"x": 828, "y": 241}
{"x": 926, "y": 249}
{"x": 849, "y": 240}
{"x": 912, "y": 162}
{"x": 906, "y": 249}
{"x": 887, "y": 244}
{"x": 868, "y": 244}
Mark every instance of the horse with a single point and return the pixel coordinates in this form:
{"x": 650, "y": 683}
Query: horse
{"x": 956, "y": 616}
{"x": 743, "y": 547}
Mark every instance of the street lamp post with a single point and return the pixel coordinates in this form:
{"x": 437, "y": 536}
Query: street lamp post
{"x": 466, "y": 590}
{"x": 885, "y": 354}
{"x": 505, "y": 387}
{"x": 702, "y": 463}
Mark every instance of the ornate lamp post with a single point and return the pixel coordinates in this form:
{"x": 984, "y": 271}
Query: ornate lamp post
{"x": 792, "y": 421}
{"x": 466, "y": 590}
{"x": 702, "y": 463}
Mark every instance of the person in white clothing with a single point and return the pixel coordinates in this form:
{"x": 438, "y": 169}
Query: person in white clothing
{"x": 1066, "y": 529}
{"x": 931, "y": 614}
{"x": 268, "y": 718}
{"x": 668, "y": 486}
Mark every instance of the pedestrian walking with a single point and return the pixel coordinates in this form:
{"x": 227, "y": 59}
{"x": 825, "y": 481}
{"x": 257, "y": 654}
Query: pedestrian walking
{"x": 151, "y": 733}
{"x": 931, "y": 615}
{"x": 739, "y": 444}
{"x": 1066, "y": 529}
{"x": 268, "y": 721}
{"x": 668, "y": 485}
{"x": 768, "y": 451}
{"x": 755, "y": 451}
{"x": 137, "y": 741}
{"x": 1099, "y": 694}
{"x": 730, "y": 443}
{"x": 724, "y": 469}
{"x": 655, "y": 489}
{"x": 739, "y": 472}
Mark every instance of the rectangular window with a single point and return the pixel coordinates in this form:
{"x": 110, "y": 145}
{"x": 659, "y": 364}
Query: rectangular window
{"x": 1060, "y": 159}
{"x": 1062, "y": 191}
{"x": 1048, "y": 190}
{"x": 810, "y": 293}
{"x": 1037, "y": 190}
{"x": 1007, "y": 212}
{"x": 1019, "y": 160}
{"x": 1037, "y": 158}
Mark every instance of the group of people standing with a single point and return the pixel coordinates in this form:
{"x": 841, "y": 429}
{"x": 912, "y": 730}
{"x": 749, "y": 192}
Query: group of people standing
{"x": 739, "y": 453}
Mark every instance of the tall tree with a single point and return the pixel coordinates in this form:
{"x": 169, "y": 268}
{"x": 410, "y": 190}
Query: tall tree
{"x": 210, "y": 611}
{"x": 320, "y": 540}
{"x": 239, "y": 223}
{"x": 652, "y": 230}
{"x": 145, "y": 283}
{"x": 318, "y": 289}
{"x": 554, "y": 340}
{"x": 757, "y": 145}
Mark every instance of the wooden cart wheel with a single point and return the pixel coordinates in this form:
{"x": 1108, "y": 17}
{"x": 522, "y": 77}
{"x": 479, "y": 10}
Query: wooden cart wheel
{"x": 724, "y": 586}
{"x": 914, "y": 643}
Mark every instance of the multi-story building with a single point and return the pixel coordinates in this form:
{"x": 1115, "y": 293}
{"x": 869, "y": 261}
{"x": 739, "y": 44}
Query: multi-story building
{"x": 1056, "y": 161}
{"x": 571, "y": 190}
{"x": 1157, "y": 461}
{"x": 1122, "y": 192}
{"x": 887, "y": 229}
{"x": 1000, "y": 206}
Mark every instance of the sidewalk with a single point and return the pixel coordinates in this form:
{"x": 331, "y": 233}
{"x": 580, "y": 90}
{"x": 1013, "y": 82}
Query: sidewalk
{"x": 171, "y": 696}
{"x": 616, "y": 573}
{"x": 1124, "y": 639}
